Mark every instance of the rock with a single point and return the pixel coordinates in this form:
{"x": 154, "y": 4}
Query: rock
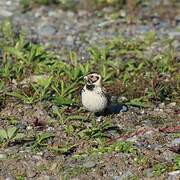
{"x": 147, "y": 123}
{"x": 114, "y": 98}
{"x": 3, "y": 155}
{"x": 143, "y": 29}
{"x": 50, "y": 129}
{"x": 89, "y": 164}
{"x": 41, "y": 11}
{"x": 149, "y": 173}
{"x": 174, "y": 35}
{"x": 53, "y": 14}
{"x": 70, "y": 14}
{"x": 46, "y": 30}
{"x": 173, "y": 104}
{"x": 29, "y": 127}
{"x": 69, "y": 39}
{"x": 10, "y": 178}
{"x": 21, "y": 126}
{"x": 5, "y": 13}
{"x": 162, "y": 105}
{"x": 158, "y": 110}
{"x": 122, "y": 13}
{"x": 39, "y": 153}
{"x": 175, "y": 142}
{"x": 37, "y": 157}
{"x": 168, "y": 155}
{"x": 161, "y": 26}
{"x": 116, "y": 178}
{"x": 122, "y": 99}
{"x": 174, "y": 175}
{"x": 126, "y": 175}
{"x": 149, "y": 134}
{"x": 132, "y": 139}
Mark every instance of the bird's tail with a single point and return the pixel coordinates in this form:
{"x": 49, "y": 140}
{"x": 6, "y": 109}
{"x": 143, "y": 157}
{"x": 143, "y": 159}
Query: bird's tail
{"x": 113, "y": 109}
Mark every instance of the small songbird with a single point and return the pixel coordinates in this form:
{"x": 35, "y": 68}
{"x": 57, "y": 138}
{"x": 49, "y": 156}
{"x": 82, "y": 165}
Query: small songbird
{"x": 93, "y": 96}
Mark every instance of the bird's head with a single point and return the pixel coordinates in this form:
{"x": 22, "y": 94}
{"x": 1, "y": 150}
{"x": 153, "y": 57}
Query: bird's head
{"x": 93, "y": 78}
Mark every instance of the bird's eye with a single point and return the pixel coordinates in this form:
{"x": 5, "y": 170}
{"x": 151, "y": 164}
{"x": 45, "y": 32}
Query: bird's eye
{"x": 91, "y": 76}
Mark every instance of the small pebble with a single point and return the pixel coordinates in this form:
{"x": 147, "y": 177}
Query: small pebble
{"x": 89, "y": 164}
{"x": 3, "y": 156}
{"x": 10, "y": 178}
{"x": 29, "y": 127}
{"x": 174, "y": 175}
{"x": 176, "y": 142}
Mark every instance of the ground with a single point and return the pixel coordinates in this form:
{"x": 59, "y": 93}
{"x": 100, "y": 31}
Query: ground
{"x": 45, "y": 50}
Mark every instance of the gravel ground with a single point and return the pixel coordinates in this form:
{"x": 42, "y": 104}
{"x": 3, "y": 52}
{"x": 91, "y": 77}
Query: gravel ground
{"x": 150, "y": 128}
{"x": 58, "y": 29}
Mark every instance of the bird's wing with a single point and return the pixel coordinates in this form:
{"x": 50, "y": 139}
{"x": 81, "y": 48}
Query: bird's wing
{"x": 108, "y": 96}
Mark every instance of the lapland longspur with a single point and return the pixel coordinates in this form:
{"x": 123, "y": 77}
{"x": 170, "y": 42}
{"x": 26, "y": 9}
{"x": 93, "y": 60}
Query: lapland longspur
{"x": 93, "y": 96}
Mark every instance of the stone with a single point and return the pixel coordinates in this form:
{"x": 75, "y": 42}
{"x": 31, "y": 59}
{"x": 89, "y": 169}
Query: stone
{"x": 114, "y": 98}
{"x": 10, "y": 178}
{"x": 143, "y": 29}
{"x": 168, "y": 155}
{"x": 53, "y": 14}
{"x": 3, "y": 155}
{"x": 175, "y": 142}
{"x": 132, "y": 139}
{"x": 46, "y": 30}
{"x": 122, "y": 13}
{"x": 70, "y": 14}
{"x": 126, "y": 175}
{"x": 149, "y": 173}
{"x": 69, "y": 39}
{"x": 5, "y": 13}
{"x": 41, "y": 11}
{"x": 173, "y": 104}
{"x": 174, "y": 35}
{"x": 122, "y": 99}
{"x": 89, "y": 164}
{"x": 29, "y": 127}
{"x": 116, "y": 178}
{"x": 174, "y": 175}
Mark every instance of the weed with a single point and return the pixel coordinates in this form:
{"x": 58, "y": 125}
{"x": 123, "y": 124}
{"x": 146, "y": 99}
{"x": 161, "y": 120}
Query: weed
{"x": 20, "y": 177}
{"x": 25, "y": 3}
{"x": 41, "y": 140}
{"x": 159, "y": 169}
{"x": 32, "y": 74}
{"x": 96, "y": 130}
{"x": 177, "y": 163}
{"x": 62, "y": 79}
{"x": 75, "y": 171}
{"x": 141, "y": 160}
{"x": 64, "y": 95}
{"x": 71, "y": 4}
{"x": 63, "y": 150}
{"x": 10, "y": 134}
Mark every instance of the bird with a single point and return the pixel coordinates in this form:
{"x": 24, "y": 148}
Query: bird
{"x": 94, "y": 96}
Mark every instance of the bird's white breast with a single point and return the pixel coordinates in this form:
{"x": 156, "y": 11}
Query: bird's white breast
{"x": 94, "y": 100}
